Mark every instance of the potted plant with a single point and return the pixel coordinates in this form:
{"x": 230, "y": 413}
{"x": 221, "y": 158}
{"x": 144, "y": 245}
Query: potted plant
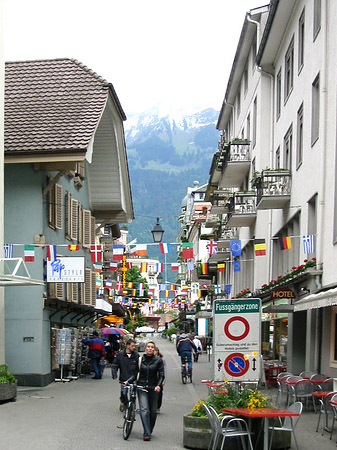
{"x": 8, "y": 384}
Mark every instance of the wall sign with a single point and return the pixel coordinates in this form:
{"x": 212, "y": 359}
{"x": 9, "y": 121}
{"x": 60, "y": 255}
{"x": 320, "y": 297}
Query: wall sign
{"x": 66, "y": 270}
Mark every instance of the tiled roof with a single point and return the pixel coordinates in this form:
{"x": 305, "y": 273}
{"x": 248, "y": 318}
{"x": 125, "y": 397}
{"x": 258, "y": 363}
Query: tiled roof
{"x": 52, "y": 105}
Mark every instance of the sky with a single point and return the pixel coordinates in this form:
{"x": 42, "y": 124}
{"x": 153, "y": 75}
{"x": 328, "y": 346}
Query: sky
{"x": 175, "y": 54}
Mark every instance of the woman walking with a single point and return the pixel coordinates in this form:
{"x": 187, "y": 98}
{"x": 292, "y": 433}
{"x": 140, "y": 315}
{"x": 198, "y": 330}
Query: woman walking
{"x": 151, "y": 376}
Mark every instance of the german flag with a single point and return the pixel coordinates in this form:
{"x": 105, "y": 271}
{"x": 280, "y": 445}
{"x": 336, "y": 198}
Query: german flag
{"x": 221, "y": 267}
{"x": 285, "y": 243}
{"x": 204, "y": 268}
{"x": 260, "y": 247}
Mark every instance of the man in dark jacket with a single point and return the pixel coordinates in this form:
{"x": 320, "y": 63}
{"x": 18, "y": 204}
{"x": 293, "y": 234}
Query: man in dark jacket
{"x": 96, "y": 352}
{"x": 127, "y": 363}
{"x": 184, "y": 348}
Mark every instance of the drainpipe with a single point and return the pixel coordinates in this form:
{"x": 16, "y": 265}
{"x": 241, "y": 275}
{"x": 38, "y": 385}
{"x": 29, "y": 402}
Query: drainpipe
{"x": 257, "y": 27}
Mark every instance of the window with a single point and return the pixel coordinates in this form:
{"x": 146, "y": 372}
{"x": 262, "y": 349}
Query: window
{"x": 278, "y": 94}
{"x": 238, "y": 103}
{"x": 289, "y": 70}
{"x": 301, "y": 42}
{"x": 315, "y": 111}
{"x": 317, "y": 18}
{"x": 254, "y": 121}
{"x": 278, "y": 158}
{"x": 288, "y": 143}
{"x": 299, "y": 152}
{"x": 55, "y": 207}
{"x": 245, "y": 80}
{"x": 248, "y": 127}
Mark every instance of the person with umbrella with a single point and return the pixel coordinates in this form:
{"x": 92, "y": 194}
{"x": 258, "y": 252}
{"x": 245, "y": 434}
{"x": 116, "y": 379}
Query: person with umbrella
{"x": 96, "y": 352}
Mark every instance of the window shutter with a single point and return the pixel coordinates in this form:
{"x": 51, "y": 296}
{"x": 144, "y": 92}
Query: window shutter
{"x": 75, "y": 292}
{"x": 93, "y": 289}
{"x": 58, "y": 206}
{"x": 92, "y": 230}
{"x": 69, "y": 292}
{"x": 80, "y": 224}
{"x": 51, "y": 208}
{"x": 59, "y": 291}
{"x": 80, "y": 168}
{"x": 81, "y": 293}
{"x": 68, "y": 210}
{"x": 51, "y": 290}
{"x": 86, "y": 227}
{"x": 87, "y": 287}
{"x": 74, "y": 219}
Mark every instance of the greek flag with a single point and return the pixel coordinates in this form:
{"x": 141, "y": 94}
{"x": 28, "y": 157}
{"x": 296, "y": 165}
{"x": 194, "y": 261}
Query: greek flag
{"x": 309, "y": 244}
{"x": 8, "y": 250}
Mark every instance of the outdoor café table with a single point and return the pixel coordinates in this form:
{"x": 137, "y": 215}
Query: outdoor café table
{"x": 263, "y": 413}
{"x": 320, "y": 394}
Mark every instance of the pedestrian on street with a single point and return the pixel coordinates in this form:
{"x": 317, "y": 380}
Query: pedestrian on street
{"x": 96, "y": 352}
{"x": 127, "y": 362}
{"x": 151, "y": 376}
{"x": 184, "y": 347}
{"x": 160, "y": 396}
{"x": 196, "y": 353}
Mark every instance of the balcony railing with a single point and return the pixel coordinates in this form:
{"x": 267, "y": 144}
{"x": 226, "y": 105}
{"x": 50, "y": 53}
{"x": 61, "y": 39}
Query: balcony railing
{"x": 220, "y": 201}
{"x": 273, "y": 188}
{"x": 242, "y": 210}
{"x": 237, "y": 163}
{"x": 211, "y": 220}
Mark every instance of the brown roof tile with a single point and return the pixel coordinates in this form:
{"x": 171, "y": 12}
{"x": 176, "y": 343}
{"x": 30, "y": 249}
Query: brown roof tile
{"x": 52, "y": 105}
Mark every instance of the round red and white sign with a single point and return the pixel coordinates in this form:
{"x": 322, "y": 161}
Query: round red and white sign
{"x": 236, "y": 328}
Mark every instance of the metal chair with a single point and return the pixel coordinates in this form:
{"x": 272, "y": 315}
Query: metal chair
{"x": 290, "y": 387}
{"x": 282, "y": 389}
{"x": 326, "y": 409}
{"x": 212, "y": 424}
{"x": 303, "y": 389}
{"x": 234, "y": 427}
{"x": 307, "y": 374}
{"x": 318, "y": 377}
{"x": 289, "y": 423}
{"x": 327, "y": 385}
{"x": 334, "y": 411}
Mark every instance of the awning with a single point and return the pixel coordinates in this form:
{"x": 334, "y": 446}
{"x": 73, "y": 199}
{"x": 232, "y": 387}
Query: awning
{"x": 13, "y": 272}
{"x": 320, "y": 300}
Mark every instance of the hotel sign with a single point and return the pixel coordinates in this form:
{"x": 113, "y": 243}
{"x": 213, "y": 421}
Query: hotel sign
{"x": 282, "y": 293}
{"x": 66, "y": 270}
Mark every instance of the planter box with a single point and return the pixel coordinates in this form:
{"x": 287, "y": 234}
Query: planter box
{"x": 197, "y": 435}
{"x": 8, "y": 391}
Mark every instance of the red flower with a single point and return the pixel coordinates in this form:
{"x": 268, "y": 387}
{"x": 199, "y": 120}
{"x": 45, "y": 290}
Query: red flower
{"x": 294, "y": 268}
{"x": 305, "y": 261}
{"x": 301, "y": 266}
{"x": 280, "y": 276}
{"x": 313, "y": 259}
{"x": 264, "y": 285}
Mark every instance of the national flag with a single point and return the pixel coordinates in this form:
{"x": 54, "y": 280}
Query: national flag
{"x": 51, "y": 252}
{"x": 260, "y": 247}
{"x": 159, "y": 267}
{"x": 143, "y": 267}
{"x": 187, "y": 248}
{"x": 175, "y": 266}
{"x": 96, "y": 253}
{"x": 29, "y": 253}
{"x": 117, "y": 252}
{"x": 204, "y": 268}
{"x": 235, "y": 247}
{"x": 73, "y": 247}
{"x": 309, "y": 244}
{"x": 221, "y": 267}
{"x": 133, "y": 249}
{"x": 184, "y": 288}
{"x": 133, "y": 292}
{"x": 162, "y": 287}
{"x": 165, "y": 248}
{"x": 141, "y": 292}
{"x": 228, "y": 288}
{"x": 98, "y": 267}
{"x": 98, "y": 283}
{"x": 128, "y": 265}
{"x": 237, "y": 266}
{"x": 129, "y": 285}
{"x": 285, "y": 243}
{"x": 195, "y": 288}
{"x": 8, "y": 250}
{"x": 172, "y": 287}
{"x": 140, "y": 286}
{"x": 119, "y": 286}
{"x": 141, "y": 249}
{"x": 217, "y": 289}
{"x": 108, "y": 283}
{"x": 113, "y": 266}
{"x": 167, "y": 293}
{"x": 212, "y": 247}
{"x": 190, "y": 265}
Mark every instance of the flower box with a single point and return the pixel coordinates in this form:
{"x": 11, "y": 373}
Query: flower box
{"x": 8, "y": 391}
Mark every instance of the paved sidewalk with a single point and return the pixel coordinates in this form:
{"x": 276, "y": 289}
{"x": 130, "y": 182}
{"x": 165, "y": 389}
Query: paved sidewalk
{"x": 84, "y": 414}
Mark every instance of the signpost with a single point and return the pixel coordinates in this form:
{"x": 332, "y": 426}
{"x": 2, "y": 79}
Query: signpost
{"x": 237, "y": 340}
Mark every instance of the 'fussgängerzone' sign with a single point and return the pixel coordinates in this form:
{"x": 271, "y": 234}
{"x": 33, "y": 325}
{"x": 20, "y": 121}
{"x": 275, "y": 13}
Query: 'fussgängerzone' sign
{"x": 239, "y": 306}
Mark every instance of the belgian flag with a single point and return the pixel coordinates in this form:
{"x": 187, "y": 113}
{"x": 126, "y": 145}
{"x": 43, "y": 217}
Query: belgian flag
{"x": 260, "y": 247}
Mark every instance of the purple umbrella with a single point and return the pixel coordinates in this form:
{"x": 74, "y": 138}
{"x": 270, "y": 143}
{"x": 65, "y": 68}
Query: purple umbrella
{"x": 118, "y": 331}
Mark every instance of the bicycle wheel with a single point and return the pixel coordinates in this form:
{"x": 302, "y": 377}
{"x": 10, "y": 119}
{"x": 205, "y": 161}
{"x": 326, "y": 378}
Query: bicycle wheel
{"x": 183, "y": 376}
{"x": 128, "y": 422}
{"x": 190, "y": 375}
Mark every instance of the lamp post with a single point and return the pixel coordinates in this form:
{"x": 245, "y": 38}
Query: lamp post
{"x": 157, "y": 232}
{"x": 159, "y": 278}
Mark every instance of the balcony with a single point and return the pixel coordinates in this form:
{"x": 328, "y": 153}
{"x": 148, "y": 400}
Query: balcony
{"x": 242, "y": 211}
{"x": 211, "y": 220}
{"x": 236, "y": 164}
{"x": 220, "y": 201}
{"x": 273, "y": 188}
{"x": 226, "y": 235}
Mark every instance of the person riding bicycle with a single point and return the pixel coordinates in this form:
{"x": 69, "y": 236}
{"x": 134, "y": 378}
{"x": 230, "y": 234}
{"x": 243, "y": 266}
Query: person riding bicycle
{"x": 184, "y": 347}
{"x": 127, "y": 363}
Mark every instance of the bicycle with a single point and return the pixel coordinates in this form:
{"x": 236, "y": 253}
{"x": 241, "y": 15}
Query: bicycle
{"x": 130, "y": 412}
{"x": 185, "y": 373}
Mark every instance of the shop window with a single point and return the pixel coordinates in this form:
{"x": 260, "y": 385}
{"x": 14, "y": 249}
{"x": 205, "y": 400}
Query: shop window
{"x": 333, "y": 344}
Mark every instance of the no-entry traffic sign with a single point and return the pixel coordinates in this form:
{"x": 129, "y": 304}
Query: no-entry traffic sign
{"x": 232, "y": 333}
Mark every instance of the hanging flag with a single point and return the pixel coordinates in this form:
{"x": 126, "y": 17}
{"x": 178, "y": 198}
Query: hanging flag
{"x": 141, "y": 292}
{"x": 204, "y": 268}
{"x": 187, "y": 248}
{"x": 29, "y": 253}
{"x": 309, "y": 244}
{"x": 195, "y": 288}
{"x": 285, "y": 243}
{"x": 140, "y": 286}
{"x": 172, "y": 287}
{"x": 133, "y": 249}
{"x": 117, "y": 252}
{"x": 221, "y": 267}
{"x": 119, "y": 286}
{"x": 175, "y": 266}
{"x": 217, "y": 289}
{"x": 212, "y": 247}
{"x": 98, "y": 283}
{"x": 98, "y": 267}
{"x": 73, "y": 247}
{"x": 51, "y": 252}
{"x": 128, "y": 265}
{"x": 129, "y": 285}
{"x": 159, "y": 267}
{"x": 260, "y": 247}
{"x": 162, "y": 287}
{"x": 133, "y": 292}
{"x": 228, "y": 288}
{"x": 143, "y": 267}
{"x": 141, "y": 249}
{"x": 237, "y": 266}
{"x": 108, "y": 283}
{"x": 190, "y": 265}
{"x": 167, "y": 293}
{"x": 235, "y": 247}
{"x": 8, "y": 250}
{"x": 113, "y": 266}
{"x": 165, "y": 248}
{"x": 96, "y": 253}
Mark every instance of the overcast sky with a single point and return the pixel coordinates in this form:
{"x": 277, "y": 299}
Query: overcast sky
{"x": 176, "y": 53}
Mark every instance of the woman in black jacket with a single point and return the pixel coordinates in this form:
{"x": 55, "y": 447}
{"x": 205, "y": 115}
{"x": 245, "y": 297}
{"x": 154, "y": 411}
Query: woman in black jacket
{"x": 151, "y": 376}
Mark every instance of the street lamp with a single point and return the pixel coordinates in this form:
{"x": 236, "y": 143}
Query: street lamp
{"x": 159, "y": 278}
{"x": 157, "y": 232}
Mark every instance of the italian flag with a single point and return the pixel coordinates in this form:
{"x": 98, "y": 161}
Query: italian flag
{"x": 29, "y": 253}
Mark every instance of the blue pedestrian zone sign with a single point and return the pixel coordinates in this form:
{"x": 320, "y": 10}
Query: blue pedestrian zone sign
{"x": 237, "y": 340}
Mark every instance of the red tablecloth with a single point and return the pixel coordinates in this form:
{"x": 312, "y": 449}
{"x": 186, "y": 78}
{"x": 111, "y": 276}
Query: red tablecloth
{"x": 321, "y": 394}
{"x": 259, "y": 412}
